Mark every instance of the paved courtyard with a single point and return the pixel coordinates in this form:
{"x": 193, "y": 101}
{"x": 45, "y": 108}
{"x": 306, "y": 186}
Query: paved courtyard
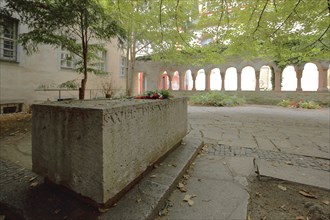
{"x": 289, "y": 144}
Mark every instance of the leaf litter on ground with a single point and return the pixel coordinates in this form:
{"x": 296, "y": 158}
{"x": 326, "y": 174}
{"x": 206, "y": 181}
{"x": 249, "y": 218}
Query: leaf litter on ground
{"x": 188, "y": 198}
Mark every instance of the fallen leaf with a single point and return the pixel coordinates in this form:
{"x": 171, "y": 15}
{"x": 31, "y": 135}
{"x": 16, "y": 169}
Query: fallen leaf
{"x": 34, "y": 184}
{"x": 182, "y": 187}
{"x": 103, "y": 210}
{"x": 163, "y": 212}
{"x": 300, "y": 218}
{"x": 186, "y": 198}
{"x": 281, "y": 187}
{"x": 186, "y": 176}
{"x": 326, "y": 202}
{"x": 32, "y": 178}
{"x": 307, "y": 194}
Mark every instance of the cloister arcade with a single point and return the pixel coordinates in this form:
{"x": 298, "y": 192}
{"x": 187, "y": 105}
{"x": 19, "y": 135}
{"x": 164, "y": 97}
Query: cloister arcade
{"x": 313, "y": 76}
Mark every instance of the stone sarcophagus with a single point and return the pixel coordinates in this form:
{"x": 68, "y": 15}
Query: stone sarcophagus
{"x": 97, "y": 148}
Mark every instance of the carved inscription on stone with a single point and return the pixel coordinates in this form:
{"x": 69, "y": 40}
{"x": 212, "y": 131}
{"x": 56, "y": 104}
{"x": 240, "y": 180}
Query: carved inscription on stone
{"x": 119, "y": 116}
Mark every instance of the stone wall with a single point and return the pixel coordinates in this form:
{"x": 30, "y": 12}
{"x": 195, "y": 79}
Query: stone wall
{"x": 97, "y": 147}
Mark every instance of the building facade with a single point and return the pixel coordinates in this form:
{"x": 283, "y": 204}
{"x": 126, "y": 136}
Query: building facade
{"x": 37, "y": 77}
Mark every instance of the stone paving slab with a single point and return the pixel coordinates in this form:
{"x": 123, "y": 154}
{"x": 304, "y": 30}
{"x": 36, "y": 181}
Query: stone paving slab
{"x": 296, "y": 174}
{"x": 286, "y": 158}
{"x": 218, "y": 185}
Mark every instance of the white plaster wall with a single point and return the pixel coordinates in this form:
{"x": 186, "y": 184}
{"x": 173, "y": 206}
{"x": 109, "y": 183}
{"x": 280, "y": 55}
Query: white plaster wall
{"x": 18, "y": 80}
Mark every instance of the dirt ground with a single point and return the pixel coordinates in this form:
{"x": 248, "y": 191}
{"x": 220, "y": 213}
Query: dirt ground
{"x": 269, "y": 198}
{"x": 14, "y": 124}
{"x": 277, "y": 199}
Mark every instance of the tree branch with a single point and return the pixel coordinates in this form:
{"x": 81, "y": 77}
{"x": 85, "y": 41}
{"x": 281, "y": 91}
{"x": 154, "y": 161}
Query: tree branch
{"x": 319, "y": 39}
{"x": 160, "y": 20}
{"x": 287, "y": 18}
{"x": 254, "y": 9}
{"x": 220, "y": 19}
{"x": 176, "y": 22}
{"x": 260, "y": 17}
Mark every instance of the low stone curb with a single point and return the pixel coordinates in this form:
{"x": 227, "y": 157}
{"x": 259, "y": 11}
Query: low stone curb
{"x": 147, "y": 198}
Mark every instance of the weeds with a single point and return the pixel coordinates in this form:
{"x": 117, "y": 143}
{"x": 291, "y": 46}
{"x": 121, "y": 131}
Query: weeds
{"x": 216, "y": 99}
{"x": 299, "y": 104}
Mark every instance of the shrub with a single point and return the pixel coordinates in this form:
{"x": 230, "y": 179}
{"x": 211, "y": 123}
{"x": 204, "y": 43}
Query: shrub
{"x": 215, "y": 99}
{"x": 299, "y": 104}
{"x": 162, "y": 94}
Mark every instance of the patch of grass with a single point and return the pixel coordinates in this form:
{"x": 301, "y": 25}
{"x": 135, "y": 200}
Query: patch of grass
{"x": 216, "y": 99}
{"x": 299, "y": 104}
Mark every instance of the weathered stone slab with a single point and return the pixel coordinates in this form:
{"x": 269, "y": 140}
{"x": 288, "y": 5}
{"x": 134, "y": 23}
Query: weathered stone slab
{"x": 97, "y": 148}
{"x": 296, "y": 174}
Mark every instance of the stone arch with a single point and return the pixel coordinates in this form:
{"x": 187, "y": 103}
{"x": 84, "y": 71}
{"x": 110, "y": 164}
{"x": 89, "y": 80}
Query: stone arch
{"x": 248, "y": 79}
{"x": 215, "y": 79}
{"x": 310, "y": 77}
{"x": 200, "y": 80}
{"x": 175, "y": 82}
{"x": 289, "y": 79}
{"x": 231, "y": 79}
{"x": 265, "y": 81}
{"x": 188, "y": 80}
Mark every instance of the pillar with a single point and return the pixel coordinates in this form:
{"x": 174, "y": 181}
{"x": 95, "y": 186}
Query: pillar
{"x": 257, "y": 73}
{"x": 194, "y": 76}
{"x": 239, "y": 80}
{"x": 322, "y": 80}
{"x": 169, "y": 82}
{"x": 299, "y": 75}
{"x": 278, "y": 80}
{"x": 182, "y": 80}
{"x": 207, "y": 80}
{"x": 223, "y": 78}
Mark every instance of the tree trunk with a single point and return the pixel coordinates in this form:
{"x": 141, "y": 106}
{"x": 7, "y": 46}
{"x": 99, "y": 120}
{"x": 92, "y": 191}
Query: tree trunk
{"x": 132, "y": 62}
{"x": 84, "y": 41}
{"x": 127, "y": 68}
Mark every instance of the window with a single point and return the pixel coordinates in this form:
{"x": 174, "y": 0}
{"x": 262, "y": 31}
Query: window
{"x": 101, "y": 61}
{"x": 123, "y": 66}
{"x": 8, "y": 36}
{"x": 68, "y": 59}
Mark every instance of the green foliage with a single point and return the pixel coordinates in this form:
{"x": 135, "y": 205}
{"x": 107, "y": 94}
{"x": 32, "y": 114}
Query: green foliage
{"x": 71, "y": 84}
{"x": 299, "y": 104}
{"x": 216, "y": 99}
{"x": 165, "y": 94}
{"x": 155, "y": 94}
{"x": 69, "y": 24}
